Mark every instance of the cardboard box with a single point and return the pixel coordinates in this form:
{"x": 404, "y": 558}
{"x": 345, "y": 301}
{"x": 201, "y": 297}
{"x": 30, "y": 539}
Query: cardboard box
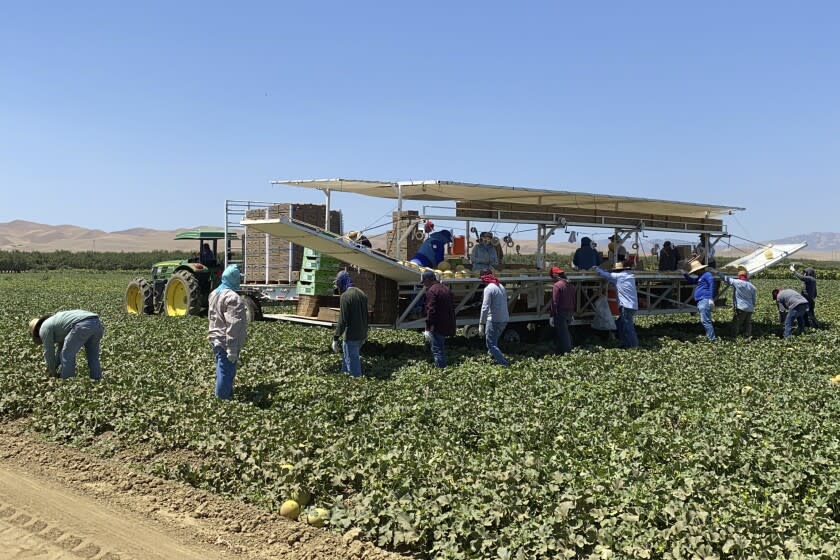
{"x": 328, "y": 313}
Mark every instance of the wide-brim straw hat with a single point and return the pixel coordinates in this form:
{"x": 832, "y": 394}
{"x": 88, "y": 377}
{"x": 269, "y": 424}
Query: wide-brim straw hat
{"x": 619, "y": 266}
{"x": 35, "y": 327}
{"x": 696, "y": 266}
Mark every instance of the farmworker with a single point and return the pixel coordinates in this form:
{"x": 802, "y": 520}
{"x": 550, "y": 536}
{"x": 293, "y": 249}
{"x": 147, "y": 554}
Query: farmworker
{"x": 616, "y": 252}
{"x": 484, "y": 254}
{"x": 705, "y": 251}
{"x": 792, "y": 307}
{"x": 494, "y": 315}
{"x": 809, "y": 292}
{"x": 431, "y": 252}
{"x": 360, "y": 238}
{"x": 703, "y": 295}
{"x": 440, "y": 316}
{"x": 62, "y": 335}
{"x": 628, "y": 303}
{"x": 352, "y": 324}
{"x": 228, "y": 322}
{"x": 743, "y": 302}
{"x": 563, "y": 306}
{"x": 586, "y": 256}
{"x": 207, "y": 257}
{"x": 668, "y": 257}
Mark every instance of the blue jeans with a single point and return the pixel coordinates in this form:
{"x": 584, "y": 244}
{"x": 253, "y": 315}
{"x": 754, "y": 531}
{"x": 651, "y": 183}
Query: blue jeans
{"x": 87, "y": 333}
{"x": 797, "y": 314}
{"x": 625, "y": 328}
{"x": 437, "y": 343}
{"x": 562, "y": 336}
{"x": 492, "y": 333}
{"x": 225, "y": 372}
{"x": 704, "y": 306}
{"x": 351, "y": 362}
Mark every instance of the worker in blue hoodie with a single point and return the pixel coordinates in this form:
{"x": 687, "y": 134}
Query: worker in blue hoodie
{"x": 228, "y": 329}
{"x": 703, "y": 294}
{"x": 432, "y": 251}
{"x": 586, "y": 256}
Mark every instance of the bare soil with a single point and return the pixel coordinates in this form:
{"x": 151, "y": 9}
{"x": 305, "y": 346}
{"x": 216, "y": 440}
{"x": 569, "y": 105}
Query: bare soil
{"x": 59, "y": 503}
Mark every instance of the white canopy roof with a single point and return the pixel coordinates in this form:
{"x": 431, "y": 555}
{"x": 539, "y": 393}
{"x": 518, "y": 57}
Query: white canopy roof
{"x": 549, "y": 199}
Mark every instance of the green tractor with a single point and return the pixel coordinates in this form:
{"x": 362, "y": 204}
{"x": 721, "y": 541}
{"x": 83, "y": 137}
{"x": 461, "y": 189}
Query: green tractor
{"x": 182, "y": 287}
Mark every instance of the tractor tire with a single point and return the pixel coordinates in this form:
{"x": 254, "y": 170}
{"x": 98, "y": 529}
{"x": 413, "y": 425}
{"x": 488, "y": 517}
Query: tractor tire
{"x": 253, "y": 310}
{"x": 139, "y": 297}
{"x": 182, "y": 295}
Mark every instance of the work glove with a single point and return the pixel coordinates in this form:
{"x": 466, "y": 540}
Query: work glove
{"x": 481, "y": 330}
{"x": 232, "y": 357}
{"x": 793, "y": 268}
{"x": 551, "y": 321}
{"x": 336, "y": 345}
{"x": 428, "y": 336}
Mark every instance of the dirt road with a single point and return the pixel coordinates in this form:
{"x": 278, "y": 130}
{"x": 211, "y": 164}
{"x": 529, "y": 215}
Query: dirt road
{"x": 59, "y": 503}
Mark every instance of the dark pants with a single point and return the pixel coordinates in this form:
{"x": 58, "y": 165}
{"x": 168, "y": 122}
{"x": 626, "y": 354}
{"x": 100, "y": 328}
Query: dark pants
{"x": 742, "y": 319}
{"x": 810, "y": 318}
{"x": 562, "y": 336}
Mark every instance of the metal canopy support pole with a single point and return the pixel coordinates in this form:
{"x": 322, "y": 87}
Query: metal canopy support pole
{"x": 467, "y": 255}
{"x": 398, "y": 226}
{"x": 227, "y": 207}
{"x": 540, "y": 246}
{"x": 327, "y": 204}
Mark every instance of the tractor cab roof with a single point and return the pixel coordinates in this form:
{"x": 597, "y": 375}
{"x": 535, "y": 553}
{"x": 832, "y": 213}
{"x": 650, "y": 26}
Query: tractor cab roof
{"x": 206, "y": 234}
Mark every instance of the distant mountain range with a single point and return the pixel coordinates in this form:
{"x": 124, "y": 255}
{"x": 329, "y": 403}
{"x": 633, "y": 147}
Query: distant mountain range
{"x": 30, "y": 236}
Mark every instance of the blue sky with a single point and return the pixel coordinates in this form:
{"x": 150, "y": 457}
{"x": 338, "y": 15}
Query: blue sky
{"x": 116, "y": 115}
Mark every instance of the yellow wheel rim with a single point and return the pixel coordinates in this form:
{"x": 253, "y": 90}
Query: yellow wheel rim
{"x": 176, "y": 298}
{"x": 133, "y": 300}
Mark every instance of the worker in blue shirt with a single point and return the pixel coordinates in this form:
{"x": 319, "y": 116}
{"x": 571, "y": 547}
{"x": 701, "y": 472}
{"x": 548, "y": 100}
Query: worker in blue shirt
{"x": 431, "y": 252}
{"x": 703, "y": 294}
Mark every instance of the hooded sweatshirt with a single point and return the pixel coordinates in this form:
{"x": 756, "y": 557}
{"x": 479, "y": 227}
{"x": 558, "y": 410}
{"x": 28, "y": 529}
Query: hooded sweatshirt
{"x": 431, "y": 252}
{"x": 226, "y": 314}
{"x": 586, "y": 257}
{"x": 809, "y": 283}
{"x": 353, "y": 310}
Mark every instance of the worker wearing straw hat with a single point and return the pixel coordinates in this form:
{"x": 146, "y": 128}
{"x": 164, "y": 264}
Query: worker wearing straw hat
{"x": 628, "y": 302}
{"x": 703, "y": 294}
{"x": 67, "y": 332}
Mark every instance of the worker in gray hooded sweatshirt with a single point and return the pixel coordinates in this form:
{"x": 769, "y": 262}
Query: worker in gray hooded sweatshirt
{"x": 809, "y": 292}
{"x": 228, "y": 329}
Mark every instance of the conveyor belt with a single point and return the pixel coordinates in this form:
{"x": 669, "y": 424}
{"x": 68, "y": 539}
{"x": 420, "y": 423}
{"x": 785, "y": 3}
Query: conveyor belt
{"x": 334, "y": 246}
{"x": 762, "y": 258}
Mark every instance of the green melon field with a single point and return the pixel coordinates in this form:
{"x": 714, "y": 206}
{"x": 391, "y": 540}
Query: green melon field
{"x": 680, "y": 449}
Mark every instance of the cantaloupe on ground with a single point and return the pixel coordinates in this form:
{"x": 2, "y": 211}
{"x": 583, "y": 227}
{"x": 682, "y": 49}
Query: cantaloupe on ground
{"x": 290, "y": 509}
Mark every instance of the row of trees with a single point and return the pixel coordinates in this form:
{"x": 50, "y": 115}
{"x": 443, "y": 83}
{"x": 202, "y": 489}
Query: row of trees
{"x": 20, "y": 261}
